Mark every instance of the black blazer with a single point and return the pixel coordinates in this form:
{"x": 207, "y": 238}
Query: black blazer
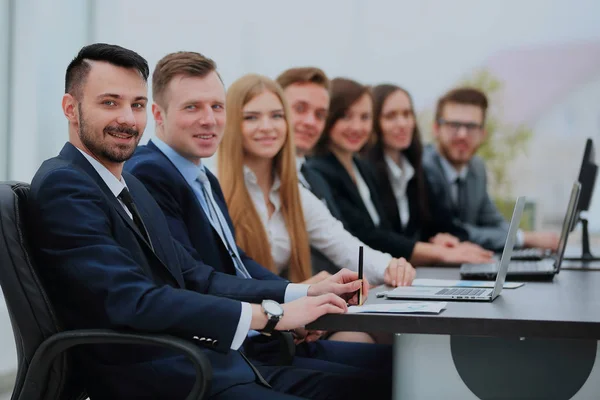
{"x": 355, "y": 217}
{"x": 440, "y": 216}
{"x": 321, "y": 189}
{"x": 102, "y": 274}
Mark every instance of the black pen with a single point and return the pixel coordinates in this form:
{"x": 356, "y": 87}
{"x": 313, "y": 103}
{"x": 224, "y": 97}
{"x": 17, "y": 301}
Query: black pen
{"x": 360, "y": 274}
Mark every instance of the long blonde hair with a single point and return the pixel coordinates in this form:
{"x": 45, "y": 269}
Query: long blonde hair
{"x": 250, "y": 232}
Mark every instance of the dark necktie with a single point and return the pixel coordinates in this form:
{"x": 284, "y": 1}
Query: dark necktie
{"x": 126, "y": 198}
{"x": 461, "y": 199}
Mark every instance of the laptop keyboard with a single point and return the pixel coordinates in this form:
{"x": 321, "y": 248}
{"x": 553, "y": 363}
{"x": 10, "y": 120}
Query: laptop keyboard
{"x": 530, "y": 254}
{"x": 517, "y": 266}
{"x": 461, "y": 292}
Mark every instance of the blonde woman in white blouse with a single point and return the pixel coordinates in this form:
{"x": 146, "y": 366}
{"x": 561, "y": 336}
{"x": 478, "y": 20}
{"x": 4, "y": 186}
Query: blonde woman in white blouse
{"x": 276, "y": 219}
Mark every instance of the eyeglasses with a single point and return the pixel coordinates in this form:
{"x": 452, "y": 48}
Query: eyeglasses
{"x": 453, "y": 127}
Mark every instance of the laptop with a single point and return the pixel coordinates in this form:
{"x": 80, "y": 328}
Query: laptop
{"x": 545, "y": 268}
{"x": 457, "y": 293}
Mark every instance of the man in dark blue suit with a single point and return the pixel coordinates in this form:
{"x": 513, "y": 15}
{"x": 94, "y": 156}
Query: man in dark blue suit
{"x": 110, "y": 261}
{"x": 190, "y": 119}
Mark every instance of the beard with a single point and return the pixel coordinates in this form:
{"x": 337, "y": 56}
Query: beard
{"x": 114, "y": 153}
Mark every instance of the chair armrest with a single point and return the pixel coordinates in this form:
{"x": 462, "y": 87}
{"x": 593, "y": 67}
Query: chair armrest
{"x": 60, "y": 342}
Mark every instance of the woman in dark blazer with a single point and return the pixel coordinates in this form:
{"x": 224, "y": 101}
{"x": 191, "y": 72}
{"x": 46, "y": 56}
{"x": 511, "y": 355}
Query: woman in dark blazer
{"x": 395, "y": 150}
{"x": 355, "y": 185}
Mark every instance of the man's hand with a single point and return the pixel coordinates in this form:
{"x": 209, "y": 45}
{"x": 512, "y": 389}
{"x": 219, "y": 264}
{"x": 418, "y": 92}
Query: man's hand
{"x": 467, "y": 253}
{"x": 445, "y": 239}
{"x": 321, "y": 276}
{"x": 298, "y": 313}
{"x": 302, "y": 335}
{"x": 344, "y": 284}
{"x": 542, "y": 240}
{"x": 399, "y": 272}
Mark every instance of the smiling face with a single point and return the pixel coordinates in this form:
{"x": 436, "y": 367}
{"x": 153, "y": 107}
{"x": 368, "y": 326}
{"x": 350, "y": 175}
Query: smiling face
{"x": 351, "y": 132}
{"x": 397, "y": 121}
{"x": 193, "y": 120}
{"x": 309, "y": 103}
{"x": 110, "y": 117}
{"x": 264, "y": 127}
{"x": 459, "y": 132}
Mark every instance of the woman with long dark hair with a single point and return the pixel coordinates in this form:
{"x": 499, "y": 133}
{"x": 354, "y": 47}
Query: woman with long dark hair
{"x": 396, "y": 152}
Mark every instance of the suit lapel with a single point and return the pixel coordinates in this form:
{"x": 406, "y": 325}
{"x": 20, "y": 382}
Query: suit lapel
{"x": 71, "y": 153}
{"x": 443, "y": 181}
{"x": 205, "y": 219}
{"x": 152, "y": 231}
{"x": 347, "y": 181}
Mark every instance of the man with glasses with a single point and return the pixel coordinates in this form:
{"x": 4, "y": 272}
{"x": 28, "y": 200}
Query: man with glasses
{"x": 459, "y": 177}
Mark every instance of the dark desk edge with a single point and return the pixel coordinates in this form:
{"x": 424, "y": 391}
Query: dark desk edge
{"x": 440, "y": 325}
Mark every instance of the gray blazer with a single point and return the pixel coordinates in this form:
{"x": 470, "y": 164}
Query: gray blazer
{"x": 481, "y": 219}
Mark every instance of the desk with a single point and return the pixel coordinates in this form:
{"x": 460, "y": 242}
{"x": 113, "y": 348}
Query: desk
{"x": 535, "y": 342}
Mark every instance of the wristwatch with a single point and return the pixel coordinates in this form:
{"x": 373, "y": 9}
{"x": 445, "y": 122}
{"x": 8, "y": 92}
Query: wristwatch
{"x": 274, "y": 313}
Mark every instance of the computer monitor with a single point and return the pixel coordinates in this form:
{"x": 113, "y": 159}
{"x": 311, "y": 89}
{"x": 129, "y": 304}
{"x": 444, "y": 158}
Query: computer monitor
{"x": 587, "y": 178}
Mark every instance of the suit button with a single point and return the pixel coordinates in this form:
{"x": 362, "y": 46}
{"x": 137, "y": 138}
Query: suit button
{"x": 215, "y": 343}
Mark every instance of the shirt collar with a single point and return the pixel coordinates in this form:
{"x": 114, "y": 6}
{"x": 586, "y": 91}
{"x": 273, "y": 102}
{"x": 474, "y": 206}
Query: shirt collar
{"x": 406, "y": 172}
{"x": 250, "y": 179}
{"x": 115, "y": 185}
{"x": 451, "y": 172}
{"x": 300, "y": 160}
{"x": 188, "y": 169}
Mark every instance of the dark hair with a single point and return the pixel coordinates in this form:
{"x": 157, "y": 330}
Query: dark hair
{"x": 303, "y": 75}
{"x": 375, "y": 153}
{"x": 79, "y": 68}
{"x": 344, "y": 93}
{"x": 463, "y": 95}
{"x": 186, "y": 63}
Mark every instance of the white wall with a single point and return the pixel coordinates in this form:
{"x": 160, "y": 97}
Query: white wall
{"x": 4, "y": 71}
{"x": 47, "y": 36}
{"x": 424, "y": 45}
{"x": 552, "y": 162}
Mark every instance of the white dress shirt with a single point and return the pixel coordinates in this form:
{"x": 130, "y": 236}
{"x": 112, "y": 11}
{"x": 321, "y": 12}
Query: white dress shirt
{"x": 452, "y": 174}
{"x": 365, "y": 194}
{"x": 399, "y": 178}
{"x": 325, "y": 233}
{"x": 243, "y": 328}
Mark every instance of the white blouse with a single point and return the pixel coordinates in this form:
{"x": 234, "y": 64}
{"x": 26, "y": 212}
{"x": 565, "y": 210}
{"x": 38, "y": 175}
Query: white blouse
{"x": 399, "y": 178}
{"x": 325, "y": 233}
{"x": 365, "y": 194}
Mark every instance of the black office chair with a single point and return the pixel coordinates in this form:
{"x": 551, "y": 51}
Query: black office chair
{"x": 45, "y": 369}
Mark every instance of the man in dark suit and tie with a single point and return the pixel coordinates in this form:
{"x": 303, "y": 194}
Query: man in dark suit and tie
{"x": 110, "y": 261}
{"x": 190, "y": 121}
{"x": 459, "y": 178}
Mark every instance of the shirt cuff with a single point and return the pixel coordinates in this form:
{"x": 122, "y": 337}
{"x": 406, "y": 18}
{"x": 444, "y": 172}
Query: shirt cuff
{"x": 243, "y": 326}
{"x": 378, "y": 263}
{"x": 294, "y": 291}
{"x": 520, "y": 238}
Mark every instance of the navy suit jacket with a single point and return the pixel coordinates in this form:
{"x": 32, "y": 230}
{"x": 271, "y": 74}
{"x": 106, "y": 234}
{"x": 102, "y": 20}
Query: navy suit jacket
{"x": 187, "y": 221}
{"x": 101, "y": 273}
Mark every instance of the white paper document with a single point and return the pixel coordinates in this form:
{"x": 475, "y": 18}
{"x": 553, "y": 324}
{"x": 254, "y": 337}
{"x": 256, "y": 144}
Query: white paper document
{"x": 426, "y": 307}
{"x": 465, "y": 283}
